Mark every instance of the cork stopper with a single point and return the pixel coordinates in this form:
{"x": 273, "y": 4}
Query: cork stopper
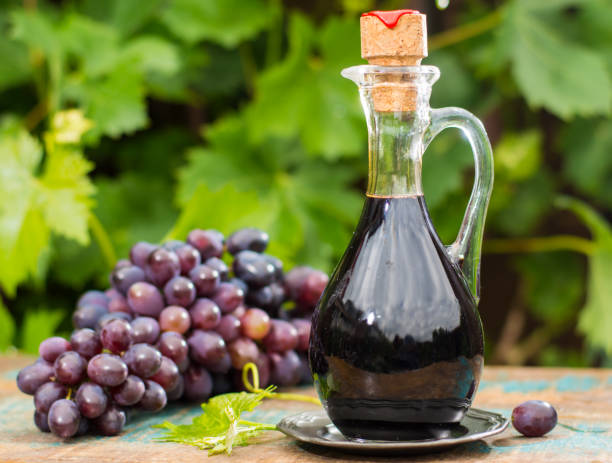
{"x": 394, "y": 38}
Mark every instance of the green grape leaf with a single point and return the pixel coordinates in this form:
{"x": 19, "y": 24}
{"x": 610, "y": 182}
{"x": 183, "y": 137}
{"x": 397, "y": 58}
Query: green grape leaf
{"x": 7, "y": 328}
{"x": 551, "y": 71}
{"x": 305, "y": 96}
{"x": 595, "y": 320}
{"x": 15, "y": 67}
{"x": 35, "y": 29}
{"x": 38, "y": 325}
{"x": 518, "y": 155}
{"x": 226, "y": 22}
{"x": 153, "y": 54}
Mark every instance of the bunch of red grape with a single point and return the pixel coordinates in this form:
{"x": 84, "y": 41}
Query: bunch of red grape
{"x": 178, "y": 322}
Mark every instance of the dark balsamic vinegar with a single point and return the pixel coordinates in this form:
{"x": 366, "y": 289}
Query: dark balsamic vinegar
{"x": 396, "y": 346}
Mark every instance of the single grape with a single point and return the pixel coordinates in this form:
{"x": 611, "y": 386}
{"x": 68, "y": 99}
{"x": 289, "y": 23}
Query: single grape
{"x": 189, "y": 258}
{"x": 218, "y": 265}
{"x": 184, "y": 364}
{"x": 228, "y": 297}
{"x": 172, "y": 245}
{"x": 311, "y": 290}
{"x": 124, "y": 277}
{"x": 86, "y": 342}
{"x": 206, "y": 347}
{"x": 92, "y": 297}
{"x": 162, "y": 265}
{"x": 240, "y": 283}
{"x": 167, "y": 375}
{"x": 205, "y": 314}
{"x": 229, "y": 328}
{"x": 143, "y": 360}
{"x": 87, "y": 316}
{"x": 180, "y": 291}
{"x": 174, "y": 318}
{"x": 534, "y": 418}
{"x": 208, "y": 242}
{"x": 285, "y": 368}
{"x": 302, "y": 327}
{"x": 145, "y": 330}
{"x": 221, "y": 384}
{"x": 112, "y": 293}
{"x": 69, "y": 368}
{"x": 140, "y": 253}
{"x": 255, "y": 324}
{"x": 48, "y": 393}
{"x": 247, "y": 239}
{"x": 278, "y": 266}
{"x": 174, "y": 346}
{"x": 205, "y": 279}
{"x": 111, "y": 422}
{"x": 238, "y": 312}
{"x": 268, "y": 297}
{"x": 30, "y": 378}
{"x": 116, "y": 336}
{"x": 63, "y": 418}
{"x": 282, "y": 337}
{"x": 154, "y": 398}
{"x": 223, "y": 365}
{"x": 253, "y": 269}
{"x": 121, "y": 263}
{"x": 177, "y": 391}
{"x": 242, "y": 351}
{"x": 107, "y": 370}
{"x": 119, "y": 304}
{"x": 129, "y": 392}
{"x": 51, "y": 348}
{"x": 145, "y": 299}
{"x": 110, "y": 317}
{"x": 198, "y": 384}
{"x": 305, "y": 374}
{"x": 91, "y": 400}
{"x": 41, "y": 421}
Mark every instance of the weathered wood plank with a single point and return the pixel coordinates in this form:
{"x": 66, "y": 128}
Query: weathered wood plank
{"x": 583, "y": 399}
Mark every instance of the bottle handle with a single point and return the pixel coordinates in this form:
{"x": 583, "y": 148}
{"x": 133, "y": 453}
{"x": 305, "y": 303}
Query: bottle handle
{"x": 465, "y": 250}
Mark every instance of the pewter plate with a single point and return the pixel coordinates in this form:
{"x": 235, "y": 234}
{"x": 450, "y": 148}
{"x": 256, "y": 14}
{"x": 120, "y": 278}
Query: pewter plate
{"x": 315, "y": 427}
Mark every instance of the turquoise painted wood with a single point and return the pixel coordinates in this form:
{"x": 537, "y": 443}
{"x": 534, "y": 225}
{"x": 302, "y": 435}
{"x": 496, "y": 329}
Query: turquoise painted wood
{"x": 583, "y": 399}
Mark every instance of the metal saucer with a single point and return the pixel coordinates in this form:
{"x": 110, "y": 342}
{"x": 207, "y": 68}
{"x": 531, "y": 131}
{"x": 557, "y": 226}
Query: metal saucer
{"x": 315, "y": 427}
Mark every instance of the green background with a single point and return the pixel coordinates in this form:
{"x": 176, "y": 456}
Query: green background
{"x": 222, "y": 113}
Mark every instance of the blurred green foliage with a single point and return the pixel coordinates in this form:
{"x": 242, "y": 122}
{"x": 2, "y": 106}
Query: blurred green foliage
{"x": 126, "y": 120}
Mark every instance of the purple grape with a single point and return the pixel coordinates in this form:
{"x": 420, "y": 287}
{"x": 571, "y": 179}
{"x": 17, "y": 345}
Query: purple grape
{"x": 167, "y": 375}
{"x": 124, "y": 277}
{"x": 145, "y": 330}
{"x": 47, "y": 394}
{"x": 534, "y": 418}
{"x": 184, "y": 364}
{"x": 223, "y": 365}
{"x": 205, "y": 279}
{"x": 263, "y": 368}
{"x": 172, "y": 245}
{"x": 112, "y": 293}
{"x": 109, "y": 317}
{"x": 162, "y": 265}
{"x": 205, "y": 314}
{"x": 242, "y": 351}
{"x": 229, "y": 328}
{"x": 218, "y": 265}
{"x": 189, "y": 258}
{"x": 145, "y": 299}
{"x": 91, "y": 400}
{"x": 228, "y": 297}
{"x": 208, "y": 242}
{"x": 206, "y": 347}
{"x": 63, "y": 418}
{"x": 129, "y": 392}
{"x": 285, "y": 368}
{"x": 83, "y": 427}
{"x": 174, "y": 318}
{"x": 198, "y": 384}
{"x": 111, "y": 422}
{"x": 116, "y": 336}
{"x": 69, "y": 368}
{"x": 119, "y": 304}
{"x": 267, "y": 297}
{"x": 302, "y": 327}
{"x": 282, "y": 337}
{"x": 30, "y": 378}
{"x": 254, "y": 269}
{"x": 174, "y": 346}
{"x": 255, "y": 324}
{"x": 251, "y": 239}
{"x": 87, "y": 316}
{"x": 41, "y": 421}
{"x": 240, "y": 283}
{"x": 51, "y": 348}
{"x": 140, "y": 253}
{"x": 277, "y": 264}
{"x": 177, "y": 391}
{"x": 86, "y": 342}
{"x": 180, "y": 291}
{"x": 221, "y": 384}
{"x": 143, "y": 360}
{"x": 107, "y": 370}
{"x": 92, "y": 297}
{"x": 121, "y": 263}
{"x": 154, "y": 398}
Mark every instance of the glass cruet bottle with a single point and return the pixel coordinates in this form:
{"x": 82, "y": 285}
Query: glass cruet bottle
{"x": 396, "y": 339}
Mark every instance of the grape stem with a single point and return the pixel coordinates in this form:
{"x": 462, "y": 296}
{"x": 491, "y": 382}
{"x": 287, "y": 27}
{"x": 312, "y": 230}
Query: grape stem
{"x": 252, "y": 368}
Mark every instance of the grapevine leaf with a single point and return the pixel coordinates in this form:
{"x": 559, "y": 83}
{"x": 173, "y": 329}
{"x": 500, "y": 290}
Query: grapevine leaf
{"x": 518, "y": 156}
{"x": 15, "y": 67}
{"x": 153, "y": 54}
{"x": 7, "y": 328}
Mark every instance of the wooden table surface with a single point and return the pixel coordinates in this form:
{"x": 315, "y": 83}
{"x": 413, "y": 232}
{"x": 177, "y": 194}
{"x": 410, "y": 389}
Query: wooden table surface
{"x": 582, "y": 397}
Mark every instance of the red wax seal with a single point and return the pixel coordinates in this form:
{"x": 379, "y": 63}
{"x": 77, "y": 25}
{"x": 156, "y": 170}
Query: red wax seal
{"x": 390, "y": 18}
